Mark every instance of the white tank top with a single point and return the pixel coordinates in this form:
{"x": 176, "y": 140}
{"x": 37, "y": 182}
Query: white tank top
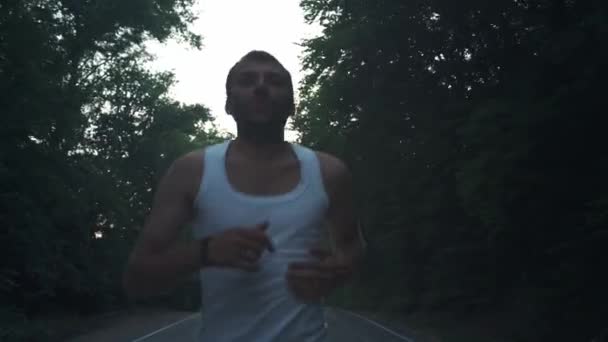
{"x": 250, "y": 307}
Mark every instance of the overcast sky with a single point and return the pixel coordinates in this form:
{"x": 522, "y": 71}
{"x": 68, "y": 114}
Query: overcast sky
{"x": 230, "y": 29}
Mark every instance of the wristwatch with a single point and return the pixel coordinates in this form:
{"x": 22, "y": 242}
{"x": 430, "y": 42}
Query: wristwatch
{"x": 204, "y": 244}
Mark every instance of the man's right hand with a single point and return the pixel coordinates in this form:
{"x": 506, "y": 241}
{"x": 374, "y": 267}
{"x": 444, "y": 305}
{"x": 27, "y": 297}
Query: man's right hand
{"x": 240, "y": 247}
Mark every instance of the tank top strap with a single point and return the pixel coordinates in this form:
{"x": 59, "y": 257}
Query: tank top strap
{"x": 311, "y": 168}
{"x": 213, "y": 169}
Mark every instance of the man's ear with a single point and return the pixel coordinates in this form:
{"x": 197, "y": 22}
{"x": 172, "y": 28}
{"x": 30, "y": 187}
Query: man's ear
{"x": 228, "y": 106}
{"x": 292, "y": 108}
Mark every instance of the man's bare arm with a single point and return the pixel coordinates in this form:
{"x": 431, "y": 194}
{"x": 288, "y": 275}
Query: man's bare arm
{"x": 313, "y": 280}
{"x": 157, "y": 263}
{"x": 343, "y": 224}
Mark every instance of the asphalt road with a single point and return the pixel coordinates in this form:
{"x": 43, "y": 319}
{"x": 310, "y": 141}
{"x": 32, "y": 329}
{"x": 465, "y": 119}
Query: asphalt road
{"x": 343, "y": 326}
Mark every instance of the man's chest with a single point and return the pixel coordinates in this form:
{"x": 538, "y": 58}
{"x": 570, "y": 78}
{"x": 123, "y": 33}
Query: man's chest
{"x": 263, "y": 179}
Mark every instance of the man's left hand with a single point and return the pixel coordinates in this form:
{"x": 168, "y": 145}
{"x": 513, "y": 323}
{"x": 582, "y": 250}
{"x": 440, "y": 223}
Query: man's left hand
{"x": 311, "y": 281}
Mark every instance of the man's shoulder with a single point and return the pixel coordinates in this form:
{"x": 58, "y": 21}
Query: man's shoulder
{"x": 187, "y": 171}
{"x": 330, "y": 161}
{"x": 189, "y": 166}
{"x": 333, "y": 169}
{"x": 192, "y": 159}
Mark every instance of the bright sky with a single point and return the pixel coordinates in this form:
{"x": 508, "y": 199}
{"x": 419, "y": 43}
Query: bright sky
{"x": 230, "y": 29}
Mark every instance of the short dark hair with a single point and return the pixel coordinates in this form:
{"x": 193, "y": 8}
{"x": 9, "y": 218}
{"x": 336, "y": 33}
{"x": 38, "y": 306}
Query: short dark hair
{"x": 256, "y": 56}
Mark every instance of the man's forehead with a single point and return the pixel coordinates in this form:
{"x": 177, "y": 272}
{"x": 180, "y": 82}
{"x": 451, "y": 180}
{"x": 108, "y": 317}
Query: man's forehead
{"x": 259, "y": 66}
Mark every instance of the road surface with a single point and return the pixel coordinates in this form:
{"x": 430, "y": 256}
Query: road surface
{"x": 343, "y": 326}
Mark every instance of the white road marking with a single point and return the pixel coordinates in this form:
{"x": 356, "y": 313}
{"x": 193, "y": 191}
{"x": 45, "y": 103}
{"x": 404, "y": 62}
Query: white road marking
{"x": 394, "y": 333}
{"x": 164, "y": 328}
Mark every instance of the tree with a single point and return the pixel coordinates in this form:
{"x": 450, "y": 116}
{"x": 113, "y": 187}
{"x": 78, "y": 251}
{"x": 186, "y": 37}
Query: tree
{"x": 86, "y": 132}
{"x": 474, "y": 131}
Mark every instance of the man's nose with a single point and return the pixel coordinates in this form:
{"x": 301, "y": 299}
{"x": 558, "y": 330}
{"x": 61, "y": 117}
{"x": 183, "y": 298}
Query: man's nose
{"x": 261, "y": 89}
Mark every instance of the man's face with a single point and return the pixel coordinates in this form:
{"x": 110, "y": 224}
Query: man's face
{"x": 260, "y": 93}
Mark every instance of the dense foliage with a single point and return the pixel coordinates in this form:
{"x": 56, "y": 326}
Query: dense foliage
{"x": 474, "y": 130}
{"x": 86, "y": 132}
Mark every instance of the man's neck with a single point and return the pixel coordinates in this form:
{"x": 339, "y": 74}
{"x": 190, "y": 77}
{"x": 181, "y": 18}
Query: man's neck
{"x": 260, "y": 150}
{"x": 261, "y": 134}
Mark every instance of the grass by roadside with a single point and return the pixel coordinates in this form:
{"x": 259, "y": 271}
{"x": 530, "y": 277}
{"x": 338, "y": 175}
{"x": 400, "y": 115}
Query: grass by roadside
{"x": 65, "y": 327}
{"x": 62, "y": 327}
{"x": 447, "y": 327}
{"x": 131, "y": 325}
{"x": 55, "y": 328}
{"x": 450, "y": 327}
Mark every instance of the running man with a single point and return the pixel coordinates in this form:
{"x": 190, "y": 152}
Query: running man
{"x": 258, "y": 206}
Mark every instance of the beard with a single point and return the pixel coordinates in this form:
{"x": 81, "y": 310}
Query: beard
{"x": 262, "y": 127}
{"x": 273, "y": 112}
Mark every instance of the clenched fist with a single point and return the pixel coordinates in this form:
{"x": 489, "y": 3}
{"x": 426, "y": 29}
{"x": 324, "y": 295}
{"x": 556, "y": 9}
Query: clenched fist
{"x": 239, "y": 247}
{"x": 314, "y": 280}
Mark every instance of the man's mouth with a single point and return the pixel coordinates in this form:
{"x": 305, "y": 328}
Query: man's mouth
{"x": 261, "y": 105}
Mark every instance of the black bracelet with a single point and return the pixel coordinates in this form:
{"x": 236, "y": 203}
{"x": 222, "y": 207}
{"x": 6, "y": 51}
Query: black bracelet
{"x": 205, "y": 262}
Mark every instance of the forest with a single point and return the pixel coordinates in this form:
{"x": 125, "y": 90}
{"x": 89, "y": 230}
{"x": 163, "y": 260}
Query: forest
{"x": 473, "y": 130}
